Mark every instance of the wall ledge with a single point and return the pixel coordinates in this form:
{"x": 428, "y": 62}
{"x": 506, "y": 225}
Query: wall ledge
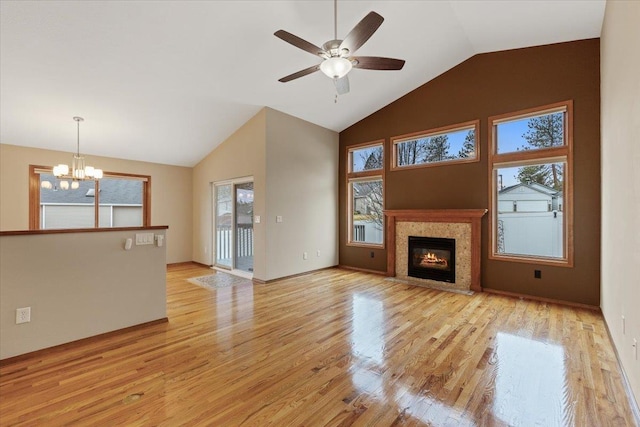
{"x": 80, "y": 230}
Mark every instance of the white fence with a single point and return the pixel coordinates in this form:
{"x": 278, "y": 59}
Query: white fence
{"x": 366, "y": 232}
{"x": 532, "y": 233}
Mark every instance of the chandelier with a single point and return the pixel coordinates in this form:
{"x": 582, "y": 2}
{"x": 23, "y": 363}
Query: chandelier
{"x": 78, "y": 171}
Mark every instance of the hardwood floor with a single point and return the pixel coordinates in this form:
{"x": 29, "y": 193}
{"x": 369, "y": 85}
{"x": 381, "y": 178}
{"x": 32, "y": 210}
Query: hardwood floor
{"x": 332, "y": 348}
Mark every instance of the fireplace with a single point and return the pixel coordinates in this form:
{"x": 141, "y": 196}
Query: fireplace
{"x": 432, "y": 258}
{"x": 462, "y": 225}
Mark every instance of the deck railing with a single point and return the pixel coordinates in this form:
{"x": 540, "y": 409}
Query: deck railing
{"x": 243, "y": 239}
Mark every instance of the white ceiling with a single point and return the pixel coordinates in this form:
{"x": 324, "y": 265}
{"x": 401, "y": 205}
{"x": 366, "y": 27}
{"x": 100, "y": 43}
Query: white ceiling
{"x": 167, "y": 81}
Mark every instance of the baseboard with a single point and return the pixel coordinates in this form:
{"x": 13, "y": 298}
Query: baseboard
{"x": 264, "y": 282}
{"x": 363, "y": 270}
{"x": 77, "y": 343}
{"x": 201, "y": 264}
{"x": 625, "y": 380}
{"x": 541, "y": 299}
{"x": 186, "y": 264}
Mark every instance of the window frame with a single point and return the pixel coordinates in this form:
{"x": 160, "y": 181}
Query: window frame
{"x": 562, "y": 154}
{"x": 472, "y": 124}
{"x": 362, "y": 176}
{"x": 34, "y": 197}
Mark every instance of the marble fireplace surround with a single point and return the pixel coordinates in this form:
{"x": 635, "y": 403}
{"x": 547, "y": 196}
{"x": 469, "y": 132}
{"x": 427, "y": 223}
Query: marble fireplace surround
{"x": 460, "y": 224}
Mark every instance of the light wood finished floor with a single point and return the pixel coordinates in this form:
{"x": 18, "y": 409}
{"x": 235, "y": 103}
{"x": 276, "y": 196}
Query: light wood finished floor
{"x": 332, "y": 348}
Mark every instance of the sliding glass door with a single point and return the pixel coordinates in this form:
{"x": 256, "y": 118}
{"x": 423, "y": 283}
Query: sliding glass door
{"x": 244, "y": 227}
{"x": 224, "y": 225}
{"x": 233, "y": 225}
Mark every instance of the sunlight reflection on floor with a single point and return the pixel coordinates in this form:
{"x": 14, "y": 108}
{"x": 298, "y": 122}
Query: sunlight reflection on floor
{"x": 530, "y": 382}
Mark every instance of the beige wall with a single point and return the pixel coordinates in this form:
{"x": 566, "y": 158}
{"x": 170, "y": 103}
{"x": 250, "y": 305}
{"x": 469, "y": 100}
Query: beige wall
{"x": 240, "y": 155}
{"x": 114, "y": 289}
{"x": 294, "y": 167}
{"x": 620, "y": 86}
{"x": 302, "y": 187}
{"x": 171, "y": 202}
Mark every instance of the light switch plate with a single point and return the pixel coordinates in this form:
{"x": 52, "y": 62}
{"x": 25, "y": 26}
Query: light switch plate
{"x": 279, "y": 218}
{"x": 144, "y": 239}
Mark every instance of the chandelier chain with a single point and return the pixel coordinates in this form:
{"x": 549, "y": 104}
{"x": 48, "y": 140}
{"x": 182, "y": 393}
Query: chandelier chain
{"x": 78, "y": 120}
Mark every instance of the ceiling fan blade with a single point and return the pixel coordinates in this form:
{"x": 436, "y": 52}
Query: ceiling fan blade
{"x": 299, "y": 43}
{"x": 342, "y": 85}
{"x": 361, "y": 32}
{"x": 300, "y": 73}
{"x": 376, "y": 63}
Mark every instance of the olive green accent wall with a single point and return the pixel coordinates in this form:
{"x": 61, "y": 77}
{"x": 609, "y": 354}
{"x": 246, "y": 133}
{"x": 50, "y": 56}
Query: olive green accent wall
{"x": 483, "y": 86}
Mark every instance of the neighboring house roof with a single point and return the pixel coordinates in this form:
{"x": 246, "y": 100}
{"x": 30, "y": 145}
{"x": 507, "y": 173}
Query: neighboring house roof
{"x": 548, "y": 191}
{"x": 112, "y": 192}
{"x": 361, "y": 191}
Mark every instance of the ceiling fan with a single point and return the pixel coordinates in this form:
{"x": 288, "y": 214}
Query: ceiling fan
{"x": 337, "y": 59}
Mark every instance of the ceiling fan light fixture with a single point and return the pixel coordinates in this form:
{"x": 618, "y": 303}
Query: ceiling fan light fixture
{"x": 336, "y": 53}
{"x": 336, "y": 67}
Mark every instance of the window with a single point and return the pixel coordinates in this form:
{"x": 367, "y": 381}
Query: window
{"x": 531, "y": 194}
{"x": 446, "y": 145}
{"x": 117, "y": 200}
{"x": 365, "y": 176}
{"x": 366, "y": 158}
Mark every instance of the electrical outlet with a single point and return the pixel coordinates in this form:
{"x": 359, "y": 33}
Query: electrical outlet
{"x": 279, "y": 218}
{"x": 373, "y": 254}
{"x": 623, "y": 326}
{"x": 318, "y": 253}
{"x": 23, "y": 315}
{"x": 305, "y": 255}
{"x": 537, "y": 274}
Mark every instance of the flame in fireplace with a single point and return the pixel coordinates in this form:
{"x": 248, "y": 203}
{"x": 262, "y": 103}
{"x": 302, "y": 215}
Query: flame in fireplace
{"x": 430, "y": 259}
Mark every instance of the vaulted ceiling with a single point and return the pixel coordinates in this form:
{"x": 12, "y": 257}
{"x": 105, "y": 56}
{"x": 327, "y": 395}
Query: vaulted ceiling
{"x": 167, "y": 81}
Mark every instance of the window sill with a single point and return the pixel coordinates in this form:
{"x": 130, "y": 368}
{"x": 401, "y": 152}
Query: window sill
{"x": 366, "y": 245}
{"x": 557, "y": 262}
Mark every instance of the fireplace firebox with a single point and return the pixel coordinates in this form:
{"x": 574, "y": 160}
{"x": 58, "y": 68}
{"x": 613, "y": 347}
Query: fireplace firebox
{"x": 432, "y": 258}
